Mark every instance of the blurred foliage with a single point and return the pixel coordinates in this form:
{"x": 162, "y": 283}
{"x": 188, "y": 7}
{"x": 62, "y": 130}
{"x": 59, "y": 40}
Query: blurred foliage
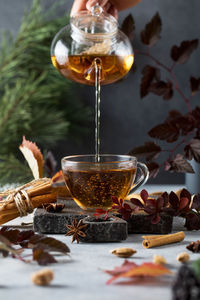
{"x": 35, "y": 100}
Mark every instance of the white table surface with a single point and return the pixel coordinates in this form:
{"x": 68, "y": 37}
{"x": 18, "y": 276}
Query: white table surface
{"x": 80, "y": 276}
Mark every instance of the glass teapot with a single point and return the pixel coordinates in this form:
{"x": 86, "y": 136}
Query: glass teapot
{"x": 92, "y": 37}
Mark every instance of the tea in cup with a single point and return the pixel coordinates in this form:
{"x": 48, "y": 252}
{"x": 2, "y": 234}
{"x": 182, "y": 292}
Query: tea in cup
{"x": 93, "y": 183}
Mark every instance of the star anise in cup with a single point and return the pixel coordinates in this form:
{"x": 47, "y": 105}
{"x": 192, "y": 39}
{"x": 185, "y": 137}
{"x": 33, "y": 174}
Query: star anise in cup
{"x": 194, "y": 247}
{"x": 76, "y": 230}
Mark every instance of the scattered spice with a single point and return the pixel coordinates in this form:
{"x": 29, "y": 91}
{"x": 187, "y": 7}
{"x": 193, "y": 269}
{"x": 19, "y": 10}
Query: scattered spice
{"x": 53, "y": 207}
{"x": 123, "y": 252}
{"x": 183, "y": 257}
{"x": 194, "y": 246}
{"x": 159, "y": 260}
{"x": 76, "y": 230}
{"x": 42, "y": 277}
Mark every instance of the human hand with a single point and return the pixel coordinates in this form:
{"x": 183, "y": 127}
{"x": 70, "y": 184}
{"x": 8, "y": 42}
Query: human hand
{"x": 107, "y": 6}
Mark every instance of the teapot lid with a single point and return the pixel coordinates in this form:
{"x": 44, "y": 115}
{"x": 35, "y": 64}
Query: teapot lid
{"x": 94, "y": 22}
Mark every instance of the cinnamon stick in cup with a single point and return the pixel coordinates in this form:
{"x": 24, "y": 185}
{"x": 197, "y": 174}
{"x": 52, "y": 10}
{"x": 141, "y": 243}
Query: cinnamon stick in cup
{"x": 160, "y": 240}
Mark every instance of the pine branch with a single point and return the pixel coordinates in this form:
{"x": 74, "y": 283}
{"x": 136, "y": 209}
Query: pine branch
{"x": 35, "y": 100}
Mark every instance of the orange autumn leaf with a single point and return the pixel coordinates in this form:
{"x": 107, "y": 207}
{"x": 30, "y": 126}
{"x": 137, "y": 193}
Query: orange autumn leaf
{"x": 33, "y": 156}
{"x": 132, "y": 270}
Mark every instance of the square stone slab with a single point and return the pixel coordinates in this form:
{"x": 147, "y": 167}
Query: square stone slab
{"x": 45, "y": 222}
{"x": 113, "y": 230}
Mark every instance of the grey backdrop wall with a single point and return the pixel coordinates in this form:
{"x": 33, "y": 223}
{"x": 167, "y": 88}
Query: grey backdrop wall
{"x": 125, "y": 118}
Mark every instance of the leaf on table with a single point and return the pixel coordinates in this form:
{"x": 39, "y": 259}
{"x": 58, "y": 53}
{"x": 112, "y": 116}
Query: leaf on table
{"x": 150, "y": 150}
{"x": 33, "y": 156}
{"x": 182, "y": 53}
{"x": 48, "y": 243}
{"x": 10, "y": 234}
{"x": 192, "y": 150}
{"x": 128, "y": 26}
{"x": 150, "y": 74}
{"x": 50, "y": 164}
{"x": 151, "y": 33}
{"x": 132, "y": 270}
{"x": 6, "y": 248}
{"x": 42, "y": 257}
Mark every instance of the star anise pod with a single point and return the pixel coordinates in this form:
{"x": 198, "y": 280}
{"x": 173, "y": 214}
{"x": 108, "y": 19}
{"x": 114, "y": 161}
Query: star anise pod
{"x": 76, "y": 230}
{"x": 53, "y": 207}
{"x": 194, "y": 246}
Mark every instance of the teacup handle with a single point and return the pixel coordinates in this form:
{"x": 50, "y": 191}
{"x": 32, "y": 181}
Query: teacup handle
{"x": 143, "y": 177}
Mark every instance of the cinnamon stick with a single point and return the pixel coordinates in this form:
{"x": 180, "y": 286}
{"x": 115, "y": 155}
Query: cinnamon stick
{"x": 39, "y": 192}
{"x": 155, "y": 241}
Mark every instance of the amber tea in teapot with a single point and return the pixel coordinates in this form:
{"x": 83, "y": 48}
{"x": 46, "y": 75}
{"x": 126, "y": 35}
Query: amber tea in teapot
{"x": 77, "y": 67}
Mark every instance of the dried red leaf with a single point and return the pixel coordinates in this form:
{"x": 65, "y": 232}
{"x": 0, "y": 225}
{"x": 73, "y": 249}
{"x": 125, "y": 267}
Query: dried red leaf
{"x": 150, "y": 150}
{"x": 155, "y": 219}
{"x": 151, "y": 33}
{"x": 165, "y": 197}
{"x": 10, "y": 234}
{"x": 42, "y": 257}
{"x": 192, "y": 150}
{"x": 174, "y": 200}
{"x": 180, "y": 164}
{"x": 48, "y": 243}
{"x": 194, "y": 85}
{"x": 144, "y": 195}
{"x": 184, "y": 202}
{"x": 196, "y": 202}
{"x": 165, "y": 131}
{"x": 128, "y": 27}
{"x": 182, "y": 53}
{"x": 132, "y": 270}
{"x": 137, "y": 202}
{"x": 149, "y": 74}
{"x": 185, "y": 193}
{"x": 151, "y": 202}
{"x": 153, "y": 168}
{"x": 192, "y": 221}
{"x": 159, "y": 203}
{"x": 161, "y": 88}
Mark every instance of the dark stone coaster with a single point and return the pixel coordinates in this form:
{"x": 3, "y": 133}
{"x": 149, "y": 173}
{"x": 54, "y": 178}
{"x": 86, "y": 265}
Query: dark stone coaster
{"x": 45, "y": 222}
{"x": 142, "y": 224}
{"x": 112, "y": 230}
{"x": 98, "y": 230}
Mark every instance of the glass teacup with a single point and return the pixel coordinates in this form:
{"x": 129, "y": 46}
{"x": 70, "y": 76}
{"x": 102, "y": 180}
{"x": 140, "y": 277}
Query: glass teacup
{"x": 93, "y": 183}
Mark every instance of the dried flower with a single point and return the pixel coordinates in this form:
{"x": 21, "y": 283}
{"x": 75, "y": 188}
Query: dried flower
{"x": 76, "y": 230}
{"x": 42, "y": 277}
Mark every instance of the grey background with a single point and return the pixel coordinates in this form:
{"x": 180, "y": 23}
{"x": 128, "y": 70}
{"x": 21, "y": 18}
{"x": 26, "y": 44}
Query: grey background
{"x": 125, "y": 118}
